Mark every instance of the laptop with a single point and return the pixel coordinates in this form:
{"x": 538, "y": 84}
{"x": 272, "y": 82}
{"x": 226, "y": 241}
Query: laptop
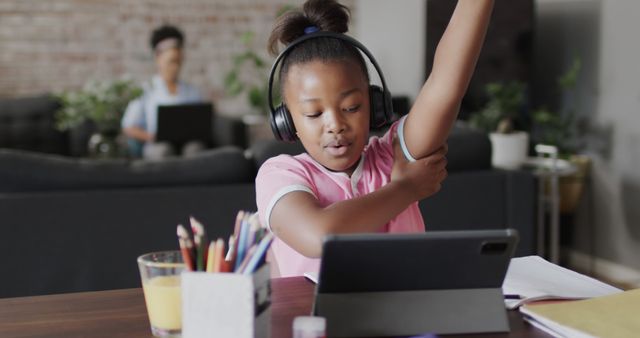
{"x": 179, "y": 124}
{"x": 440, "y": 282}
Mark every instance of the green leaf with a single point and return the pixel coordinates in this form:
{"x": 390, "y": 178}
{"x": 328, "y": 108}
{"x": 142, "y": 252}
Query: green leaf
{"x": 238, "y": 60}
{"x": 257, "y": 60}
{"x": 248, "y": 75}
{"x": 505, "y": 102}
{"x": 102, "y": 102}
{"x": 257, "y": 98}
{"x": 232, "y": 84}
{"x": 230, "y": 78}
{"x": 569, "y": 79}
{"x": 247, "y": 37}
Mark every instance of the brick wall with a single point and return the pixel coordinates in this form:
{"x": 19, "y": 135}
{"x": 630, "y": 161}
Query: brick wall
{"x": 53, "y": 45}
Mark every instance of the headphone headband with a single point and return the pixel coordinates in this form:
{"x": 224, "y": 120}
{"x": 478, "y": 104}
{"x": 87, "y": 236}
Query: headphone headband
{"x": 321, "y": 34}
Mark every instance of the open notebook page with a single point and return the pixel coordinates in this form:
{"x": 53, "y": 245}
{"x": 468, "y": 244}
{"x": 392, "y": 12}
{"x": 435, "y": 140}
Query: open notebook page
{"x": 534, "y": 278}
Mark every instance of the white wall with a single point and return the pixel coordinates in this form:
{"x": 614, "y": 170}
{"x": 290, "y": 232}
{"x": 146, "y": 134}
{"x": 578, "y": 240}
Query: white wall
{"x": 394, "y": 32}
{"x": 618, "y": 177}
{"x": 605, "y": 35}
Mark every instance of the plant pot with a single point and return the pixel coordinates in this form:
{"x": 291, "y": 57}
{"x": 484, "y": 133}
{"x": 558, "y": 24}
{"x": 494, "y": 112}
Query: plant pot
{"x": 105, "y": 144}
{"x": 509, "y": 151}
{"x": 572, "y": 186}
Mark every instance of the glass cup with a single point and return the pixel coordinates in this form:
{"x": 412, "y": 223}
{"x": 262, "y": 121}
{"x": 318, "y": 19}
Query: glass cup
{"x": 160, "y": 274}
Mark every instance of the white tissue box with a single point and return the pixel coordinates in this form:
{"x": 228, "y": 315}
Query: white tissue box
{"x": 226, "y": 305}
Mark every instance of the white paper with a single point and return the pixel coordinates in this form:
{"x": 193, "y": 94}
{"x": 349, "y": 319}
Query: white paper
{"x": 534, "y": 278}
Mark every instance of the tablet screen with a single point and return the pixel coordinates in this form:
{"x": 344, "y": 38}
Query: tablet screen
{"x": 425, "y": 261}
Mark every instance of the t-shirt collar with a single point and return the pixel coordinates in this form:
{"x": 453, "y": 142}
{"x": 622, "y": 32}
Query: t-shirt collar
{"x": 158, "y": 84}
{"x": 355, "y": 177}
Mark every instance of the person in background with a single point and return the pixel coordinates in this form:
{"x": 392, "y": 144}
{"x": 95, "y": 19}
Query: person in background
{"x": 140, "y": 121}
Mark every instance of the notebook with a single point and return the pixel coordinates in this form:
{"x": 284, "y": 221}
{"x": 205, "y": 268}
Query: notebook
{"x": 533, "y": 278}
{"x": 179, "y": 124}
{"x": 614, "y": 316}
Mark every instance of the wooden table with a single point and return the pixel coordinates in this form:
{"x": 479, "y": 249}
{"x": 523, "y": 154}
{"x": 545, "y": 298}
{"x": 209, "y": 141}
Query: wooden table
{"x": 122, "y": 313}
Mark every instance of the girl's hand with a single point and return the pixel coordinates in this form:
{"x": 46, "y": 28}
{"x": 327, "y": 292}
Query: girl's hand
{"x": 422, "y": 178}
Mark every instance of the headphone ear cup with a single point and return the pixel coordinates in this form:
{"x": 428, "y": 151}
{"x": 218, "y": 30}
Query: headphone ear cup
{"x": 282, "y": 125}
{"x": 380, "y": 106}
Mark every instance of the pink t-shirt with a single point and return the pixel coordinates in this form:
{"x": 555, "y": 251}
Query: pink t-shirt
{"x": 283, "y": 174}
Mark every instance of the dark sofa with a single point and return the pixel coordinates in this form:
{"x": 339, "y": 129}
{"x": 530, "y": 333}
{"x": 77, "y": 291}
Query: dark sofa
{"x": 76, "y": 225}
{"x": 27, "y": 123}
{"x": 72, "y": 224}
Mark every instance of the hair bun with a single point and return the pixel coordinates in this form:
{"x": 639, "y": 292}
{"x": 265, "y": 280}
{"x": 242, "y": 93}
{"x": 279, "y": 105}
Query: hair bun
{"x": 326, "y": 15}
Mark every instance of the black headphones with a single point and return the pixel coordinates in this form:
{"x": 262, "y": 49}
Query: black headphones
{"x": 380, "y": 98}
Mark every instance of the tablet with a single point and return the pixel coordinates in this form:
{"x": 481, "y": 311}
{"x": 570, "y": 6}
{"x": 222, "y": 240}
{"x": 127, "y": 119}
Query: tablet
{"x": 404, "y": 284}
{"x": 424, "y": 261}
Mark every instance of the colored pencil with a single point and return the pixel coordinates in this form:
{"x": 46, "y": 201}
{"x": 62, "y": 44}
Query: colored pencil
{"x": 238, "y": 223}
{"x": 244, "y": 253}
{"x": 201, "y": 243}
{"x": 258, "y": 254}
{"x": 229, "y": 255}
{"x": 225, "y": 266}
{"x": 236, "y": 237}
{"x": 211, "y": 256}
{"x": 241, "y": 245}
{"x": 229, "y": 261}
{"x": 218, "y": 257}
{"x": 253, "y": 230}
{"x": 246, "y": 259}
{"x": 185, "y": 249}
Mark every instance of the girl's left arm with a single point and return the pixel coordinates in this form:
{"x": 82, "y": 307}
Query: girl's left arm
{"x": 436, "y": 107}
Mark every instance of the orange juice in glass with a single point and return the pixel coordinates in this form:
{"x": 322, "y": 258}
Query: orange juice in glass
{"x": 160, "y": 274}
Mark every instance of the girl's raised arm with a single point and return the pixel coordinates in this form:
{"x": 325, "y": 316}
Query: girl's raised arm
{"x": 438, "y": 102}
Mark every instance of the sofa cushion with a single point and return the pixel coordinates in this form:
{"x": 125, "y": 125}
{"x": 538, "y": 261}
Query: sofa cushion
{"x": 264, "y": 150}
{"x": 23, "y": 171}
{"x": 469, "y": 149}
{"x": 28, "y": 124}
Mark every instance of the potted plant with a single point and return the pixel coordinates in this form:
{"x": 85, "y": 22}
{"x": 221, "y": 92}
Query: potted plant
{"x": 101, "y": 104}
{"x": 249, "y": 76}
{"x": 560, "y": 128}
{"x": 498, "y": 118}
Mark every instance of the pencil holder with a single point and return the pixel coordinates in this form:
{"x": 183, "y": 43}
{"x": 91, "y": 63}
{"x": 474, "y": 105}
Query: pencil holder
{"x": 226, "y": 304}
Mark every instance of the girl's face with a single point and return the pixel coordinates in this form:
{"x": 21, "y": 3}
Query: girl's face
{"x": 329, "y": 105}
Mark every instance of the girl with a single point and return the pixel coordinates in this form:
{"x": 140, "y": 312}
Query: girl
{"x": 346, "y": 182}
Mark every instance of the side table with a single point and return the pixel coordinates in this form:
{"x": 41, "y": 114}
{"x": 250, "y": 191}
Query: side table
{"x": 549, "y": 169}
